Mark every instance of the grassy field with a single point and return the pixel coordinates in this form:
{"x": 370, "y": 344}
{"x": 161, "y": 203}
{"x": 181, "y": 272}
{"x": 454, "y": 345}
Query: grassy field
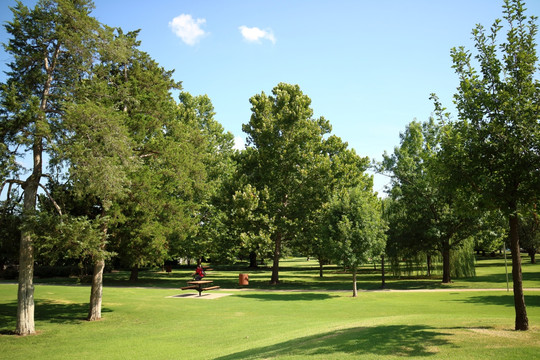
{"x": 147, "y": 323}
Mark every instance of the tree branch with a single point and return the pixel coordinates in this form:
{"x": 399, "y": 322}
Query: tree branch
{"x": 52, "y": 200}
{"x": 10, "y": 182}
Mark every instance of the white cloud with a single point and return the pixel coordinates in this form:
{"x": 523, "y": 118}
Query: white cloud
{"x": 239, "y": 143}
{"x": 255, "y": 34}
{"x": 187, "y": 28}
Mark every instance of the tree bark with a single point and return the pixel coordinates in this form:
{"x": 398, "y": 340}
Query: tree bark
{"x": 96, "y": 293}
{"x": 253, "y": 260}
{"x": 134, "y": 275}
{"x": 522, "y": 322}
{"x": 355, "y": 290}
{"x": 429, "y": 265}
{"x": 25, "y": 294}
{"x": 321, "y": 267}
{"x": 446, "y": 263}
{"x": 275, "y": 265}
{"x": 383, "y": 275}
{"x": 532, "y": 254}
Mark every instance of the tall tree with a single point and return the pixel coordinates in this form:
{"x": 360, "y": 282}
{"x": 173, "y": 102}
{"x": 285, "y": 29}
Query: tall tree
{"x": 340, "y": 168}
{"x": 495, "y": 149}
{"x": 428, "y": 216}
{"x": 49, "y": 45}
{"x": 283, "y": 156}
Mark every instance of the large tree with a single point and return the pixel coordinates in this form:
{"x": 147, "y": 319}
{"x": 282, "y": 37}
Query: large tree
{"x": 428, "y": 215}
{"x": 495, "y": 148}
{"x": 283, "y": 157}
{"x": 49, "y": 46}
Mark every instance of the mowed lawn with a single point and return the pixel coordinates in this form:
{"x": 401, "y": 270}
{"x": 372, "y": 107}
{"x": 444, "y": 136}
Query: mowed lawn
{"x": 147, "y": 323}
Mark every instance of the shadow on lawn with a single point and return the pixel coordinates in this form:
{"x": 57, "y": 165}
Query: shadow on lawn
{"x": 293, "y": 296}
{"x": 47, "y": 311}
{"x": 504, "y": 299}
{"x": 396, "y": 340}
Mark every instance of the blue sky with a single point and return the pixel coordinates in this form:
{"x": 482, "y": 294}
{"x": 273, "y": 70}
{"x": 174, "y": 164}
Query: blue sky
{"x": 368, "y": 66}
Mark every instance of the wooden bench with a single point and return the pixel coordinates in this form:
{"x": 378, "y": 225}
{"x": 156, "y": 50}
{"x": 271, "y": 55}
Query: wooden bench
{"x": 189, "y": 287}
{"x": 210, "y": 288}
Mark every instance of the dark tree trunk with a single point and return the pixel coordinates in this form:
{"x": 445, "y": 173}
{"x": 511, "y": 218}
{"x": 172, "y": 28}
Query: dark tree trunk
{"x": 96, "y": 292}
{"x": 522, "y": 322}
{"x": 253, "y": 260}
{"x": 354, "y": 290}
{"x": 532, "y": 254}
{"x": 383, "y": 275}
{"x": 446, "y": 263}
{"x": 275, "y": 265}
{"x": 321, "y": 266}
{"x": 134, "y": 276}
{"x": 429, "y": 265}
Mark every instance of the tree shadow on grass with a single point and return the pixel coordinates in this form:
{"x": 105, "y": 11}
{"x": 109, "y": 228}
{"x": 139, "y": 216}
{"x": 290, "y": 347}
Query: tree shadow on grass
{"x": 504, "y": 299}
{"x": 46, "y": 311}
{"x": 396, "y": 340}
{"x": 293, "y": 296}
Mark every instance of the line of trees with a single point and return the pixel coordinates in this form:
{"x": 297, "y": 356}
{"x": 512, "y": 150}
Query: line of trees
{"x": 130, "y": 173}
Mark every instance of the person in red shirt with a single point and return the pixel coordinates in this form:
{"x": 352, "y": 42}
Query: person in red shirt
{"x": 199, "y": 273}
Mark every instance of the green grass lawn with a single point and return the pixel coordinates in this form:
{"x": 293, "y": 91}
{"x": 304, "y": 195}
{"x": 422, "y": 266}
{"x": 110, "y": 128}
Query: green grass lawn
{"x": 145, "y": 323}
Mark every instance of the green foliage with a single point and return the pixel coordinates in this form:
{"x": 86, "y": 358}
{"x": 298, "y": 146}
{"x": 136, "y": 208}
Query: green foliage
{"x": 463, "y": 260}
{"x": 426, "y": 214}
{"x": 353, "y": 225}
{"x": 495, "y": 147}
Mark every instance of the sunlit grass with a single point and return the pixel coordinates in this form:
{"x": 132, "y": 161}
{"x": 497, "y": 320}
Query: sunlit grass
{"x": 142, "y": 323}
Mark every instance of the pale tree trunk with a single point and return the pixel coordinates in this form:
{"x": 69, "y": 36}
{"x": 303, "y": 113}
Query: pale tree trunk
{"x": 522, "y": 322}
{"x": 275, "y": 265}
{"x": 355, "y": 289}
{"x": 25, "y": 294}
{"x": 96, "y": 294}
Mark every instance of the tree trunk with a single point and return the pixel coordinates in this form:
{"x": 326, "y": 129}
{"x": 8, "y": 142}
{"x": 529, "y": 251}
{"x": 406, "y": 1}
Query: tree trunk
{"x": 134, "y": 275}
{"x": 522, "y": 322}
{"x": 97, "y": 291}
{"x": 275, "y": 265}
{"x": 429, "y": 265}
{"x": 532, "y": 254}
{"x": 446, "y": 263}
{"x": 253, "y": 260}
{"x": 383, "y": 278}
{"x": 25, "y": 294}
{"x": 321, "y": 266}
{"x": 354, "y": 290}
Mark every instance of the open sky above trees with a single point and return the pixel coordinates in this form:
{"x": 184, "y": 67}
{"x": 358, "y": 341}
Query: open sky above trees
{"x": 368, "y": 67}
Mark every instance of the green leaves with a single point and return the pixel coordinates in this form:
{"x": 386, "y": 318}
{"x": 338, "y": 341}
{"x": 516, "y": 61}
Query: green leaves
{"x": 353, "y": 225}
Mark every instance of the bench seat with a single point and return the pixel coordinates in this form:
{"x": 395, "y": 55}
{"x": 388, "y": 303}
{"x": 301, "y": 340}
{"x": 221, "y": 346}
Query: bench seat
{"x": 189, "y": 287}
{"x": 211, "y": 288}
